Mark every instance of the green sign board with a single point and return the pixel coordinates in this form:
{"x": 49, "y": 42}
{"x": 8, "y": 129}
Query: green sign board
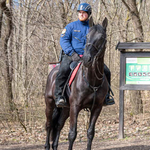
{"x": 138, "y": 70}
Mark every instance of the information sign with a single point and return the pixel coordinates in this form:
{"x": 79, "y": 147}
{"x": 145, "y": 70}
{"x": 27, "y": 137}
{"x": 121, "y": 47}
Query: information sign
{"x": 137, "y": 71}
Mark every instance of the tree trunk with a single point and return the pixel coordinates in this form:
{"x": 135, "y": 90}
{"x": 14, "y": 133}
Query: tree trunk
{"x": 98, "y": 12}
{"x": 138, "y": 29}
{"x": 8, "y": 79}
{"x": 1, "y": 18}
{"x": 17, "y": 52}
{"x": 136, "y": 96}
{"x": 24, "y": 51}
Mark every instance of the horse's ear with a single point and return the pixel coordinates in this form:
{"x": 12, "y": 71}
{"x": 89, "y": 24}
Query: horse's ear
{"x": 105, "y": 23}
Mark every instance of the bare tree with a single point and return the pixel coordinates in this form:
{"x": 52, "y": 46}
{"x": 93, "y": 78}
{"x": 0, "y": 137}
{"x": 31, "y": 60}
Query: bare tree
{"x": 7, "y": 54}
{"x": 138, "y": 28}
{"x": 136, "y": 98}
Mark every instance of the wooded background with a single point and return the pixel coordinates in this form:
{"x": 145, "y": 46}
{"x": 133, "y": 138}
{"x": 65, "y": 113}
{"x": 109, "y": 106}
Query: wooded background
{"x": 29, "y": 40}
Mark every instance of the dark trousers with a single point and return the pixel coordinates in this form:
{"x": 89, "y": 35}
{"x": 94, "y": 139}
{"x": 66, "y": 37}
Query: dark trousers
{"x": 64, "y": 72}
{"x": 62, "y": 75}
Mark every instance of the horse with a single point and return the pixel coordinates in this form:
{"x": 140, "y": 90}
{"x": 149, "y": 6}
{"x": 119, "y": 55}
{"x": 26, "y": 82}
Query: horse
{"x": 88, "y": 90}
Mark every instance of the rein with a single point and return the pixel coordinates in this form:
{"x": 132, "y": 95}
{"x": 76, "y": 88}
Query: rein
{"x": 93, "y": 88}
{"x": 97, "y": 56}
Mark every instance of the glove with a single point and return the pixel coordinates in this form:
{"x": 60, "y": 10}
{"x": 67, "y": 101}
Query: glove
{"x": 75, "y": 57}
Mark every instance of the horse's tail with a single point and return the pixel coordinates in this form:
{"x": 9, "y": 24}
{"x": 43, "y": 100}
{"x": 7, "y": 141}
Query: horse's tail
{"x": 55, "y": 117}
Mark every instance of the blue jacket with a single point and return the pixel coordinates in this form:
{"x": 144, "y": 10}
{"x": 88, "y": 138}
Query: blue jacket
{"x": 73, "y": 37}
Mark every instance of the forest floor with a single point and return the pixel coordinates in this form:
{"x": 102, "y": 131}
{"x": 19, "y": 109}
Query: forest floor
{"x": 136, "y": 129}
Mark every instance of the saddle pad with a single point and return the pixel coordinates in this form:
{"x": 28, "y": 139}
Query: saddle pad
{"x": 74, "y": 74}
{"x": 50, "y": 67}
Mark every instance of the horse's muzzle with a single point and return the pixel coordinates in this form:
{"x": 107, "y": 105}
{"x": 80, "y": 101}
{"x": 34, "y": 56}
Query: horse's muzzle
{"x": 87, "y": 61}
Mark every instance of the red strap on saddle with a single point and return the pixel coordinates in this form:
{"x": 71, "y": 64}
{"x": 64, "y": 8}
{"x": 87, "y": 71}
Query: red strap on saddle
{"x": 74, "y": 74}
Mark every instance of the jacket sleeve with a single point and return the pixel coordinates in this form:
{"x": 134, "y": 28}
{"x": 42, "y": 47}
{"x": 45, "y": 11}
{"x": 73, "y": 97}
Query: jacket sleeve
{"x": 65, "y": 40}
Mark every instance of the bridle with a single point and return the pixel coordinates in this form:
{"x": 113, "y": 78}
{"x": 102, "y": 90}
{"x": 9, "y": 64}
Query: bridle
{"x": 99, "y": 51}
{"x": 93, "y": 88}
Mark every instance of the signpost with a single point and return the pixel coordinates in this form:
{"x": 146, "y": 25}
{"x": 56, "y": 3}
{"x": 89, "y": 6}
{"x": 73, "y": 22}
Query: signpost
{"x": 134, "y": 73}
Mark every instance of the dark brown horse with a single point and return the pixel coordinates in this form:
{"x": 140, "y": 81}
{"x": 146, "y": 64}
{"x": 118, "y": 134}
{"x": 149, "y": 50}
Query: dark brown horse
{"x": 88, "y": 90}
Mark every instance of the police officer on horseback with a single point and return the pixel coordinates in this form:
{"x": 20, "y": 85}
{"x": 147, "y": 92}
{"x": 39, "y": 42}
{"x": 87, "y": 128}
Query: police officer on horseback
{"x": 72, "y": 41}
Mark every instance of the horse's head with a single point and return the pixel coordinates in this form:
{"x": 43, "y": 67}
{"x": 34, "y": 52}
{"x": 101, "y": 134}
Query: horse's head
{"x": 95, "y": 44}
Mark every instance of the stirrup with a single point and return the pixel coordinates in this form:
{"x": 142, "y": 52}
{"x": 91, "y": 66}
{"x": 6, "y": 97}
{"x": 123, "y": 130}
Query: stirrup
{"x": 109, "y": 100}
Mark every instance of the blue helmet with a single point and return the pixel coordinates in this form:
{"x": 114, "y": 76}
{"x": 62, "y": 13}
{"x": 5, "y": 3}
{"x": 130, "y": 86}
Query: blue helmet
{"x": 85, "y": 7}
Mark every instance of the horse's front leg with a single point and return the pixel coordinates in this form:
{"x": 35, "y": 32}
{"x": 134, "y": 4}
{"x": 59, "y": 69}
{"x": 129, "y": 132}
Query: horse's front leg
{"x": 61, "y": 121}
{"x": 74, "y": 111}
{"x": 91, "y": 130}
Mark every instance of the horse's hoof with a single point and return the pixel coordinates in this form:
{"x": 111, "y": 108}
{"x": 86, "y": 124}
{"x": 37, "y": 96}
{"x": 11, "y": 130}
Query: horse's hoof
{"x": 47, "y": 147}
{"x": 54, "y": 148}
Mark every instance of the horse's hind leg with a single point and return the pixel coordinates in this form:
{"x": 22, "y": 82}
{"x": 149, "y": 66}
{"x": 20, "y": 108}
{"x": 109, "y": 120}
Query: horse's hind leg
{"x": 60, "y": 123}
{"x": 48, "y": 112}
{"x": 91, "y": 130}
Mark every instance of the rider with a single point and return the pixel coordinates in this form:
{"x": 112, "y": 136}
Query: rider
{"x": 72, "y": 41}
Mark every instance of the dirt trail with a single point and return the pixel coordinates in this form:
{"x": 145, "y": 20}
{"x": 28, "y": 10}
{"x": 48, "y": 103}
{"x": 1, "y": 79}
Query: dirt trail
{"x": 125, "y": 144}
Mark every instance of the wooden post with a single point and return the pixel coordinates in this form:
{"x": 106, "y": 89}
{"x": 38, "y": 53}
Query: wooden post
{"x": 121, "y": 114}
{"x": 121, "y": 97}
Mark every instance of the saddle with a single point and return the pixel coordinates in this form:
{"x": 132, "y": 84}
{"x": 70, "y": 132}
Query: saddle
{"x": 74, "y": 66}
{"x": 74, "y": 69}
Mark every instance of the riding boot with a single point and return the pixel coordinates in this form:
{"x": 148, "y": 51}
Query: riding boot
{"x": 59, "y": 98}
{"x": 109, "y": 100}
{"x": 60, "y": 81}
